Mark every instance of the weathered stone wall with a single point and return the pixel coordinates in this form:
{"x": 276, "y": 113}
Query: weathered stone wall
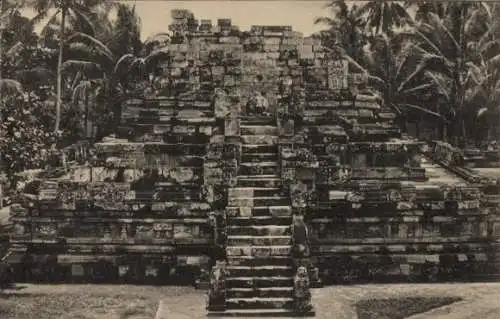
{"x": 372, "y": 210}
{"x": 154, "y": 190}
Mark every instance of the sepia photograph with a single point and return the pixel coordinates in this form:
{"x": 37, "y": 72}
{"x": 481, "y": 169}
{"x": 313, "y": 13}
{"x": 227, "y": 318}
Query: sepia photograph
{"x": 249, "y": 159}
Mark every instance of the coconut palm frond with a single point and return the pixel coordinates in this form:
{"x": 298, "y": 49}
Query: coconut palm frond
{"x": 482, "y": 111}
{"x": 81, "y": 91}
{"x": 395, "y": 108}
{"x": 494, "y": 61}
{"x": 402, "y": 58}
{"x": 80, "y": 65}
{"x": 401, "y": 11}
{"x": 76, "y": 80}
{"x": 425, "y": 61}
{"x": 476, "y": 73}
{"x": 429, "y": 42}
{"x": 158, "y": 37}
{"x": 82, "y": 19}
{"x": 486, "y": 7}
{"x": 438, "y": 24}
{"x": 366, "y": 8}
{"x": 423, "y": 109}
{"x": 96, "y": 43}
{"x": 418, "y": 88}
{"x": 475, "y": 18}
{"x": 476, "y": 93}
{"x": 363, "y": 70}
{"x": 81, "y": 49}
{"x": 325, "y": 20}
{"x": 50, "y": 24}
{"x": 15, "y": 49}
{"x": 376, "y": 79}
{"x": 441, "y": 83}
{"x": 123, "y": 63}
{"x": 369, "y": 58}
{"x": 156, "y": 55}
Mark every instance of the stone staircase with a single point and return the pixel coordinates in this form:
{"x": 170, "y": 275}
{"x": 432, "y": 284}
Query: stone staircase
{"x": 259, "y": 280}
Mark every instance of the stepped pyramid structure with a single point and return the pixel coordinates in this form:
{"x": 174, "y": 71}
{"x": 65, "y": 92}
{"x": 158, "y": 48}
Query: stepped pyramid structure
{"x": 255, "y": 162}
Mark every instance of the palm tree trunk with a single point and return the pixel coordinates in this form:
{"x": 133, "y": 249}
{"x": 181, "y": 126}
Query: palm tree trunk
{"x": 59, "y": 69}
{"x": 86, "y": 129}
{"x": 463, "y": 15}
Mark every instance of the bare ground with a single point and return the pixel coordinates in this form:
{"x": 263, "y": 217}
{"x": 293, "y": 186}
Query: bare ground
{"x": 140, "y": 302}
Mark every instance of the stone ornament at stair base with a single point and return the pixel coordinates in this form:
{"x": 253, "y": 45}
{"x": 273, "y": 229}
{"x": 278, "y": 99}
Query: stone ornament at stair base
{"x": 356, "y": 199}
{"x": 207, "y": 193}
{"x": 217, "y": 291}
{"x": 212, "y": 221}
{"x": 300, "y": 238}
{"x": 230, "y": 172}
{"x": 299, "y": 194}
{"x": 286, "y": 127}
{"x": 302, "y": 293}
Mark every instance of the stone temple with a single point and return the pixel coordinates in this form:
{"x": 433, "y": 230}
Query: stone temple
{"x": 255, "y": 164}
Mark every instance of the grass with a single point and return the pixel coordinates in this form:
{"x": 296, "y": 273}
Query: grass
{"x": 84, "y": 302}
{"x": 400, "y": 308}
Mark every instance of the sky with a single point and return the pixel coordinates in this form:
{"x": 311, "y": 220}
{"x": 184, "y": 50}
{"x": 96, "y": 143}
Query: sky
{"x": 155, "y": 15}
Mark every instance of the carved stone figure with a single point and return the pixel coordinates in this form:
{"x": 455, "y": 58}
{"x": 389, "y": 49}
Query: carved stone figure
{"x": 299, "y": 194}
{"x": 302, "y": 294}
{"x": 257, "y": 104}
{"x": 300, "y": 237}
{"x": 217, "y": 291}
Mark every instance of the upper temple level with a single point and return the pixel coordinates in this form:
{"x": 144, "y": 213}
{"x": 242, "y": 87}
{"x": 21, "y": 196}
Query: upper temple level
{"x": 266, "y": 63}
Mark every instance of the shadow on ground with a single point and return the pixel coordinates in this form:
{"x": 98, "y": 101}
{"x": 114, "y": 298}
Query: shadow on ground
{"x": 400, "y": 308}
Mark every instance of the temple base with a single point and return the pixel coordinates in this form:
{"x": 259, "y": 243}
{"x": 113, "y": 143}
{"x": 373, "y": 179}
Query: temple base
{"x": 271, "y": 313}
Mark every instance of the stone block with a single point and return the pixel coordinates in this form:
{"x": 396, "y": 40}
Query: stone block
{"x": 286, "y": 127}
{"x": 232, "y": 126}
{"x": 239, "y": 251}
{"x": 280, "y": 211}
{"x": 241, "y": 202}
{"x": 245, "y": 211}
{"x": 241, "y": 192}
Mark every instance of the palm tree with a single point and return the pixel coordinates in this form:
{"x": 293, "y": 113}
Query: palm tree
{"x": 346, "y": 25}
{"x": 66, "y": 9}
{"x": 423, "y": 8}
{"x": 461, "y": 42}
{"x": 102, "y": 74}
{"x": 383, "y": 16}
{"x": 391, "y": 69}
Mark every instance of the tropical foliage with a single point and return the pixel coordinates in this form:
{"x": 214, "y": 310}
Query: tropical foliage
{"x": 438, "y": 59}
{"x": 67, "y": 82}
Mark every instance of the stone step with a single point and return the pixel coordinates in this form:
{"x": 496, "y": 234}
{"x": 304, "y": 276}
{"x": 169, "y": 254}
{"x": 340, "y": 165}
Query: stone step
{"x": 258, "y": 201}
{"x": 274, "y": 230}
{"x": 264, "y": 221}
{"x": 257, "y": 120}
{"x": 259, "y": 282}
{"x": 263, "y": 313}
{"x": 259, "y": 240}
{"x": 259, "y": 181}
{"x": 255, "y": 149}
{"x": 259, "y": 139}
{"x": 259, "y": 157}
{"x": 254, "y": 129}
{"x": 258, "y": 169}
{"x": 272, "y": 292}
{"x": 259, "y": 303}
{"x": 247, "y": 192}
{"x": 256, "y": 261}
{"x": 260, "y": 271}
{"x": 259, "y": 251}
{"x": 260, "y": 211}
